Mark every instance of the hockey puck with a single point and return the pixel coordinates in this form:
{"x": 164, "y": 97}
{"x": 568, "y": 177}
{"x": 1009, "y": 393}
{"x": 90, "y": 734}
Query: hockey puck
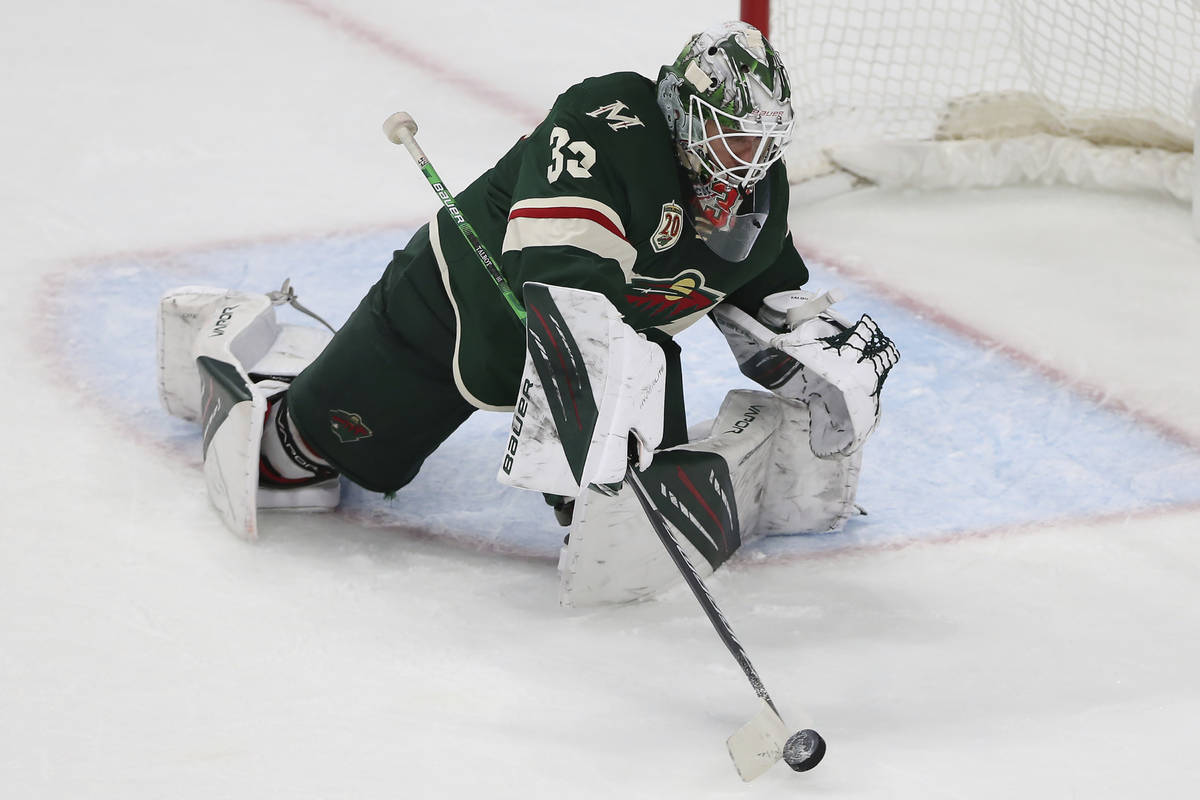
{"x": 804, "y": 750}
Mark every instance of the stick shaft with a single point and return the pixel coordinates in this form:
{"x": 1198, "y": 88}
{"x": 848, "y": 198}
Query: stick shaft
{"x": 692, "y": 578}
{"x": 464, "y": 227}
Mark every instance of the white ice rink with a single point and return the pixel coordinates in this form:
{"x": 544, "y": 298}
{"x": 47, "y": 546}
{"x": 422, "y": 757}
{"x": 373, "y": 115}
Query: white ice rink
{"x": 1019, "y": 617}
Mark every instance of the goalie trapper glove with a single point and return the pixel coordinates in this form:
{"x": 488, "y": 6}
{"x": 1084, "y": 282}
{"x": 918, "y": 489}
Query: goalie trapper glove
{"x": 843, "y": 375}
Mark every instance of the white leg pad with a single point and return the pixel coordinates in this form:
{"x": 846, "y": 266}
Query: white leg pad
{"x": 613, "y": 555}
{"x": 271, "y": 349}
{"x": 216, "y": 348}
{"x": 805, "y": 493}
{"x": 233, "y": 419}
{"x": 181, "y": 312}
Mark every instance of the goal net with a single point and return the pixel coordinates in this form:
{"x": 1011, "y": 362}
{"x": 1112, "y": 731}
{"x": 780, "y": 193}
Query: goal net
{"x": 971, "y": 92}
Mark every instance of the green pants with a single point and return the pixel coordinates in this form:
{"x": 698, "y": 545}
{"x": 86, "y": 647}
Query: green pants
{"x": 381, "y": 397}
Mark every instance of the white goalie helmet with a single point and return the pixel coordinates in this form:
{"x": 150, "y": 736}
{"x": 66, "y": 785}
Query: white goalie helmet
{"x": 727, "y": 100}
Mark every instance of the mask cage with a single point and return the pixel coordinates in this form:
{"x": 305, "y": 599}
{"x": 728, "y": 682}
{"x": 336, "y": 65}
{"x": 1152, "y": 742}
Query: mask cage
{"x": 770, "y": 130}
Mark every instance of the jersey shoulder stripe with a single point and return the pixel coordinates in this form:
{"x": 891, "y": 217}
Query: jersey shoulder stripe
{"x": 583, "y": 207}
{"x": 563, "y": 224}
{"x": 567, "y": 213}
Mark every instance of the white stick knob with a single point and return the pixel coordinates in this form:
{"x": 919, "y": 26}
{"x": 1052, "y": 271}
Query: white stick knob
{"x": 400, "y": 127}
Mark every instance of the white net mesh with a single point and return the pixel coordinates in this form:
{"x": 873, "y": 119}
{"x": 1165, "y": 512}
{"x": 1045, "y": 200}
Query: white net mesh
{"x": 1109, "y": 71}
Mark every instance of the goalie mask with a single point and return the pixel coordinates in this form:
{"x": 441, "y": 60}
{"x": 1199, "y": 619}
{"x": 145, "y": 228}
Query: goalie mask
{"x": 727, "y": 101}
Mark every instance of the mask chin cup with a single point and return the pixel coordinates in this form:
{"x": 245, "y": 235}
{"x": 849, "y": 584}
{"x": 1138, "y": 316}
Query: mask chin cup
{"x": 734, "y": 240}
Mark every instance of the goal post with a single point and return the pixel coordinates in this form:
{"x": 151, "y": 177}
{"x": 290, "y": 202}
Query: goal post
{"x": 944, "y": 93}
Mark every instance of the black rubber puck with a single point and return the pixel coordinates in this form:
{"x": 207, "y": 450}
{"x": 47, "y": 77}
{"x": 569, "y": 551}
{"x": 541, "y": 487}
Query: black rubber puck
{"x": 804, "y": 750}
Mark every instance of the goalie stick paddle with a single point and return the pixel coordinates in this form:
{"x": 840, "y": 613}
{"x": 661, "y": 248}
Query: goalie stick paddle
{"x": 762, "y": 741}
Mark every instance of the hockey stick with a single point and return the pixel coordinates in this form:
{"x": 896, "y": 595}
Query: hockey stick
{"x": 761, "y": 742}
{"x": 402, "y": 129}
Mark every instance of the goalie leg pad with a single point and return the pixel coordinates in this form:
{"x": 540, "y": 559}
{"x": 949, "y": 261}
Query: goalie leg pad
{"x": 234, "y": 343}
{"x": 233, "y": 413}
{"x": 182, "y": 312}
{"x": 706, "y": 491}
{"x": 267, "y": 349}
{"x": 590, "y": 381}
{"x": 752, "y": 474}
{"x": 805, "y": 493}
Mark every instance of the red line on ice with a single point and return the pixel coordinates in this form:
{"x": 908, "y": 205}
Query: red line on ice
{"x": 483, "y": 93}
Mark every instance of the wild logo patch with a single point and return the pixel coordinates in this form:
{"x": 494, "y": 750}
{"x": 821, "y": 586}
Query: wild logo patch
{"x": 347, "y": 426}
{"x": 670, "y": 226}
{"x": 668, "y": 299}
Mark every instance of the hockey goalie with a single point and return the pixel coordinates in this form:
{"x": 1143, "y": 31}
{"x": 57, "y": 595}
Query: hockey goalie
{"x": 634, "y": 209}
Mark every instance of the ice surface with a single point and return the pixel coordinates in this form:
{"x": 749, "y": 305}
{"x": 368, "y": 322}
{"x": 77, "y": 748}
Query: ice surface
{"x": 1022, "y": 596}
{"x": 974, "y": 438}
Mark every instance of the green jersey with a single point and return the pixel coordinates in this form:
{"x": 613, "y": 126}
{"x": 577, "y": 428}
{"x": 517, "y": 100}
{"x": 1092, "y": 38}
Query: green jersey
{"x": 596, "y": 199}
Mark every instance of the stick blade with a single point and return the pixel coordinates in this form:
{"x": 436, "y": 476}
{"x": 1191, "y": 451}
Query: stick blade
{"x": 757, "y": 745}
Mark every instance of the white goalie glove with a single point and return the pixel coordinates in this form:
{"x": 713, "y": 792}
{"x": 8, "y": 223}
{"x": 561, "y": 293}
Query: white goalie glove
{"x": 801, "y": 351}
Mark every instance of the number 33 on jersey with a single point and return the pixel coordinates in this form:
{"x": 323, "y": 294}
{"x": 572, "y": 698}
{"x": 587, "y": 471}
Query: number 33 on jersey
{"x": 577, "y": 167}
